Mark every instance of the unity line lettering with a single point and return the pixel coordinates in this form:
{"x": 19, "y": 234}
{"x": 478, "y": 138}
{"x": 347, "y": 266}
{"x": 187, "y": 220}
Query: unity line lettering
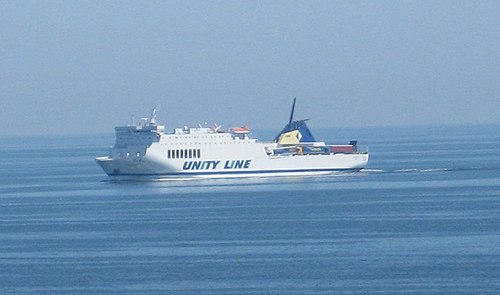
{"x": 212, "y": 165}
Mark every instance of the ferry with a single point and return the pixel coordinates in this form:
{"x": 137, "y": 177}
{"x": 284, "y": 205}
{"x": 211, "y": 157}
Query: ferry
{"x": 148, "y": 149}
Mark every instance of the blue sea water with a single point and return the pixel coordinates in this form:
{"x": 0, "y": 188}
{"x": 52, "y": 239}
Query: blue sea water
{"x": 423, "y": 218}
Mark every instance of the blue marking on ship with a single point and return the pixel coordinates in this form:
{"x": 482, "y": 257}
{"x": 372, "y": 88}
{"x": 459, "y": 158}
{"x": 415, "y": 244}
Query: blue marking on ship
{"x": 237, "y": 164}
{"x": 212, "y": 165}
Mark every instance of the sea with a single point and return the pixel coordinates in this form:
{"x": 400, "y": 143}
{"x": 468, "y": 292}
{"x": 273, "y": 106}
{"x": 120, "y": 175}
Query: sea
{"x": 422, "y": 218}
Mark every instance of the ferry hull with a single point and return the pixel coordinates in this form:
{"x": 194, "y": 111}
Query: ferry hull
{"x": 279, "y": 166}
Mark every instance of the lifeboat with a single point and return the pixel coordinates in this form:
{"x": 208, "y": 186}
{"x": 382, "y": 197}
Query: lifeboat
{"x": 240, "y": 130}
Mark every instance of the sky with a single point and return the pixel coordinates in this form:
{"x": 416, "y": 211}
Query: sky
{"x": 83, "y": 67}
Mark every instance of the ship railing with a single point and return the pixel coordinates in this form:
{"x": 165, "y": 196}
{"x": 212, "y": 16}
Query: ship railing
{"x": 310, "y": 149}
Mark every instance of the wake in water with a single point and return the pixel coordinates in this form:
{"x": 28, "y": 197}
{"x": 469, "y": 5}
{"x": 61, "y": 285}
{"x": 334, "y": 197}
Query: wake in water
{"x": 427, "y": 170}
{"x": 287, "y": 178}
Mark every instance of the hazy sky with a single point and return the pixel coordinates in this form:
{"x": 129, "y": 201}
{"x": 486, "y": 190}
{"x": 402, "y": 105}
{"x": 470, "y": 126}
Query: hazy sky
{"x": 86, "y": 66}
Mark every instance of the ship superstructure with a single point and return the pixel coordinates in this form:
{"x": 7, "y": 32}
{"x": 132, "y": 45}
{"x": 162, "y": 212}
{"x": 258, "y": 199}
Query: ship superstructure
{"x": 148, "y": 149}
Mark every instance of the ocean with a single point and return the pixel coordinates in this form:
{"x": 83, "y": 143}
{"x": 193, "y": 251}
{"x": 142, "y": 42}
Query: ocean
{"x": 423, "y": 218}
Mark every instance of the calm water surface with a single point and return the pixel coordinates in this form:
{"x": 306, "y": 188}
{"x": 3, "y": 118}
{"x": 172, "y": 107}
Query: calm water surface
{"x": 423, "y": 218}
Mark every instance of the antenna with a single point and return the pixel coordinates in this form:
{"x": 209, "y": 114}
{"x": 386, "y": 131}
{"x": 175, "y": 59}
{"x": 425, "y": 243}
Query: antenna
{"x": 293, "y": 109}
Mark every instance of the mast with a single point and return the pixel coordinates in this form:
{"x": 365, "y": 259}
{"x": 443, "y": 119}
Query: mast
{"x": 152, "y": 118}
{"x": 293, "y": 109}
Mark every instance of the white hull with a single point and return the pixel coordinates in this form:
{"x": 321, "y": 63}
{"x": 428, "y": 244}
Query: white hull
{"x": 222, "y": 162}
